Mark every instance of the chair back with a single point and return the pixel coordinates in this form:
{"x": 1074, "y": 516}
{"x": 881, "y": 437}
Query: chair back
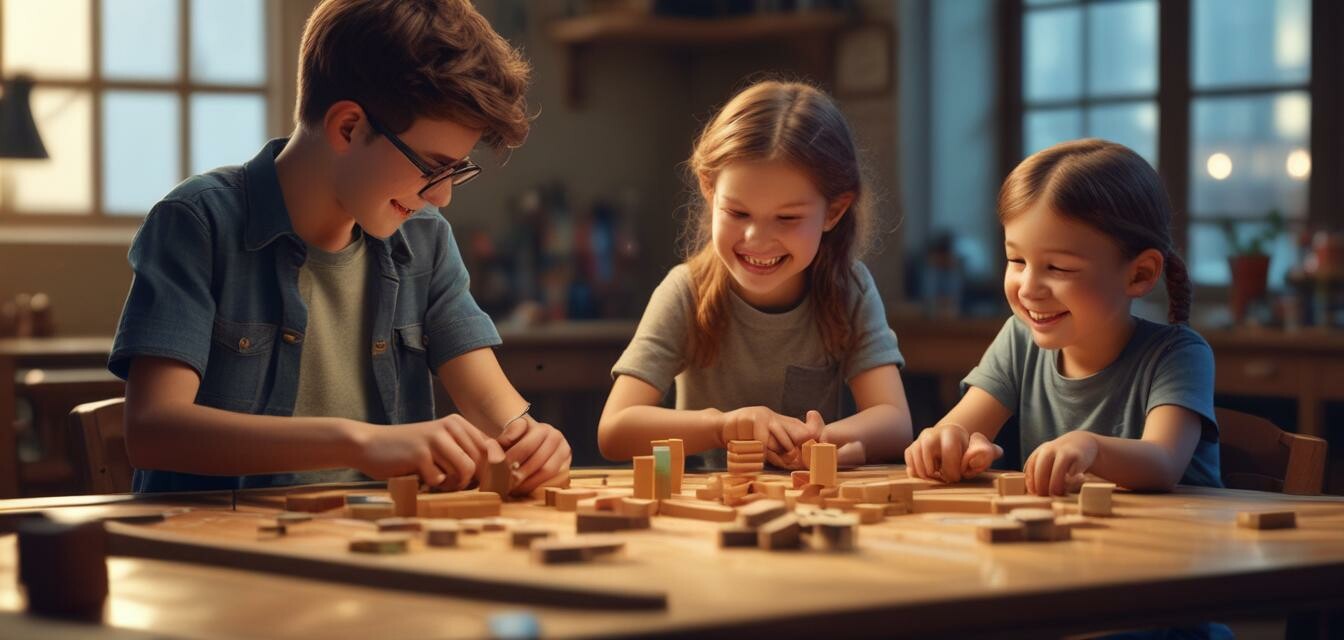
{"x": 1255, "y": 454}
{"x": 98, "y": 446}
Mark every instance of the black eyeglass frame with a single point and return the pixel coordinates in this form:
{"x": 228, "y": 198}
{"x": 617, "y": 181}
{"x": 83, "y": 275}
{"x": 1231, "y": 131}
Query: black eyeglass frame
{"x": 460, "y": 172}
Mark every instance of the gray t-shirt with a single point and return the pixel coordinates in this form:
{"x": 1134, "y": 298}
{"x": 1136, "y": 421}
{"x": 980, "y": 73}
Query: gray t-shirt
{"x": 775, "y": 360}
{"x": 1161, "y": 364}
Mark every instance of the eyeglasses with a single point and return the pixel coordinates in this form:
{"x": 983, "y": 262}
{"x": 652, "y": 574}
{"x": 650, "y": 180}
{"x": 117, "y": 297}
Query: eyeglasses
{"x": 457, "y": 173}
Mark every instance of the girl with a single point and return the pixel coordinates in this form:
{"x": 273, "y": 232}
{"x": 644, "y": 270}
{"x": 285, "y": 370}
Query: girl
{"x": 1096, "y": 390}
{"x": 771, "y": 311}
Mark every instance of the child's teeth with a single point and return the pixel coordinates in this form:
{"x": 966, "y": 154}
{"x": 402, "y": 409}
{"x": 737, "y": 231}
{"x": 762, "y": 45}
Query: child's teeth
{"x": 762, "y": 263}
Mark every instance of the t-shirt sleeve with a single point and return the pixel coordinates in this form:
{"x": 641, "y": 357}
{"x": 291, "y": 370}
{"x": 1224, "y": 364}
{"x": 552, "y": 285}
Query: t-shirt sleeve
{"x": 657, "y": 353}
{"x": 998, "y": 373}
{"x": 1184, "y": 377}
{"x": 874, "y": 341}
{"x": 169, "y": 310}
{"x": 454, "y": 323}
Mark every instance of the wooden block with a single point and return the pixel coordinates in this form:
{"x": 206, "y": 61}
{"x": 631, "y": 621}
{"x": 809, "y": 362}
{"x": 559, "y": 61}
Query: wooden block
{"x": 733, "y": 481}
{"x": 568, "y": 499}
{"x": 870, "y": 513}
{"x": 903, "y": 489}
{"x": 442, "y": 534}
{"x": 805, "y": 451}
{"x": 523, "y": 537}
{"x": 403, "y": 490}
{"x": 1001, "y": 531}
{"x": 829, "y": 492}
{"x": 381, "y": 544}
{"x": 835, "y": 533}
{"x": 662, "y": 472}
{"x": 852, "y": 490}
{"x": 459, "y": 504}
{"x": 314, "y": 502}
{"x": 895, "y": 508}
{"x": 1038, "y": 524}
{"x": 744, "y": 469}
{"x": 678, "y": 460}
{"x": 63, "y": 569}
{"x": 697, "y": 510}
{"x": 844, "y": 504}
{"x": 736, "y": 535}
{"x": 746, "y": 458}
{"x": 398, "y": 523}
{"x": 495, "y": 523}
{"x": 637, "y": 507}
{"x": 737, "y": 490}
{"x": 293, "y": 518}
{"x": 760, "y": 512}
{"x": 548, "y": 495}
{"x": 746, "y": 446}
{"x": 574, "y": 550}
{"x": 1267, "y": 519}
{"x": 737, "y": 501}
{"x": 791, "y": 498}
{"x": 369, "y": 511}
{"x": 603, "y": 521}
{"x": 770, "y": 489}
{"x": 1011, "y": 484}
{"x": 599, "y": 503}
{"x": 708, "y": 494}
{"x": 1008, "y": 504}
{"x": 496, "y": 476}
{"x": 1094, "y": 499}
{"x": 800, "y": 479}
{"x": 643, "y": 477}
{"x": 823, "y": 464}
{"x": 939, "y": 502}
{"x": 781, "y": 533}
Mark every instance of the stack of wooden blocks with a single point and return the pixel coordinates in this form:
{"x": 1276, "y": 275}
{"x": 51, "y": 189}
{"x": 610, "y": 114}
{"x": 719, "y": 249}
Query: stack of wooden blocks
{"x": 746, "y": 460}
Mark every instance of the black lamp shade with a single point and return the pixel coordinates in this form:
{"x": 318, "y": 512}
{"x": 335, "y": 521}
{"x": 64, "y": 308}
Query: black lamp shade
{"x": 18, "y": 132}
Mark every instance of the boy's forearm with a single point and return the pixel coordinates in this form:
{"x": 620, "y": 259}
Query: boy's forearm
{"x": 1136, "y": 464}
{"x": 481, "y": 391}
{"x": 884, "y": 429}
{"x": 627, "y": 432}
{"x": 190, "y": 438}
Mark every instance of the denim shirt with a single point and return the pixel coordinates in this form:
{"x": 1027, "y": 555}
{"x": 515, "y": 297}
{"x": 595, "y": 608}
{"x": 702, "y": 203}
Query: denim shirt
{"x": 216, "y": 267}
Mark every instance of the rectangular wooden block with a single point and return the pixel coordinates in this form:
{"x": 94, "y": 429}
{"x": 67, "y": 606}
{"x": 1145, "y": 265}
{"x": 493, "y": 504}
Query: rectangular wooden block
{"x": 662, "y": 472}
{"x": 442, "y": 534}
{"x": 369, "y": 511}
{"x": 843, "y": 504}
{"x": 1267, "y": 519}
{"x": 940, "y": 502}
{"x": 1011, "y": 484}
{"x": 643, "y": 477}
{"x": 758, "y": 513}
{"x": 1001, "y": 531}
{"x": 637, "y": 507}
{"x": 403, "y": 490}
{"x": 747, "y": 469}
{"x": 678, "y": 450}
{"x": 781, "y": 533}
{"x": 697, "y": 510}
{"x": 568, "y": 499}
{"x": 1008, "y": 504}
{"x": 602, "y": 521}
{"x": 496, "y": 476}
{"x": 573, "y": 550}
{"x": 823, "y": 464}
{"x": 1038, "y": 524}
{"x": 870, "y": 513}
{"x": 523, "y": 537}
{"x": 903, "y": 489}
{"x": 461, "y": 504}
{"x": 705, "y": 493}
{"x": 770, "y": 489}
{"x": 398, "y": 523}
{"x": 746, "y": 446}
{"x": 852, "y": 490}
{"x": 1094, "y": 499}
{"x": 314, "y": 502}
{"x": 381, "y": 544}
{"x": 548, "y": 495}
{"x": 599, "y": 503}
{"x": 746, "y": 458}
{"x": 835, "y": 534}
{"x": 736, "y": 535}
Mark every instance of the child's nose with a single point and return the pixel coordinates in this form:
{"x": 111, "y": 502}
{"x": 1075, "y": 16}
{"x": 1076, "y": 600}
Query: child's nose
{"x": 1031, "y": 286}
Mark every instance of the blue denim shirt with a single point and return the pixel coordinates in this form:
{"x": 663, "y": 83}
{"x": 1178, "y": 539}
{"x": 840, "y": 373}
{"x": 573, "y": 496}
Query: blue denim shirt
{"x": 216, "y": 268}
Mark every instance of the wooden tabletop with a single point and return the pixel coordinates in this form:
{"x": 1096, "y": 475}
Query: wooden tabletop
{"x": 1162, "y": 558}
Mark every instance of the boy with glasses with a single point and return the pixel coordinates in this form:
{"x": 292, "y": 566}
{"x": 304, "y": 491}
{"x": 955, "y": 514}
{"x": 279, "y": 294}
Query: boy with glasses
{"x": 286, "y": 315}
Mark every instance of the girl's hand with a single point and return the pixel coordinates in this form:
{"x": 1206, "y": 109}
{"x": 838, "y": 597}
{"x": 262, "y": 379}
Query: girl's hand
{"x": 537, "y": 451}
{"x": 948, "y": 452}
{"x": 1057, "y": 467}
{"x": 781, "y": 435}
{"x": 444, "y": 453}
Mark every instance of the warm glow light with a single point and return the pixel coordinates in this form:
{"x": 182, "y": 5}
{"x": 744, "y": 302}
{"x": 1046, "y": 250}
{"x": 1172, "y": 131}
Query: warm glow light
{"x": 1299, "y": 164}
{"x": 1219, "y": 166}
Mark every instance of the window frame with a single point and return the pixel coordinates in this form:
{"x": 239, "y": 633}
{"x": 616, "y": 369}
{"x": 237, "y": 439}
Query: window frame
{"x": 182, "y": 86}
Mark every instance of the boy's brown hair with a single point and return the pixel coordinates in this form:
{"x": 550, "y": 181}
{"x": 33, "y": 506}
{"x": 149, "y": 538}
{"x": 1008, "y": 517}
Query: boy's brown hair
{"x": 403, "y": 59}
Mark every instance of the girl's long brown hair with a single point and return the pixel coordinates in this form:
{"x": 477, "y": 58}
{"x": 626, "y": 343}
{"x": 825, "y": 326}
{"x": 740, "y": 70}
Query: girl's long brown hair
{"x": 1110, "y": 188}
{"x": 800, "y": 124}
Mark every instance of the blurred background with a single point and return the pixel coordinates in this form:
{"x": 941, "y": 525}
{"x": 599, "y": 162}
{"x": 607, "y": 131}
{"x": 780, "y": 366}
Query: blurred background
{"x": 109, "y": 103}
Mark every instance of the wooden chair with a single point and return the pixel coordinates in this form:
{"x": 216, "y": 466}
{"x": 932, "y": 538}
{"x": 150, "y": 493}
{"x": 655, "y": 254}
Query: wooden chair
{"x": 98, "y": 446}
{"x": 1260, "y": 456}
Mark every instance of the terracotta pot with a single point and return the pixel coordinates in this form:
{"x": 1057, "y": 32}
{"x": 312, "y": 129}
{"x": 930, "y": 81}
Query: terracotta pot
{"x": 1250, "y": 274}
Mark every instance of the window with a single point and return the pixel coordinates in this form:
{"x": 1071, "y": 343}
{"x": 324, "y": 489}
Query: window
{"x": 131, "y": 97}
{"x": 1218, "y": 94}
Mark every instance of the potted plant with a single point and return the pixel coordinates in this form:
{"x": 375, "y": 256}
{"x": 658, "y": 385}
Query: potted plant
{"x": 1248, "y": 260}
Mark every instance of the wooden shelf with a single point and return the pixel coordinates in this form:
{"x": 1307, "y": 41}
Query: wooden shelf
{"x": 647, "y": 29}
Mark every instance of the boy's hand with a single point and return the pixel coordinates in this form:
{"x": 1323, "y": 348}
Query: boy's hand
{"x": 1057, "y": 467}
{"x": 444, "y": 453}
{"x": 537, "y": 451}
{"x": 781, "y": 435}
{"x": 948, "y": 452}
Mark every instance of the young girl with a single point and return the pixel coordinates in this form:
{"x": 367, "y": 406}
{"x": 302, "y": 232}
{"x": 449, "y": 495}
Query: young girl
{"x": 1096, "y": 390}
{"x": 772, "y": 311}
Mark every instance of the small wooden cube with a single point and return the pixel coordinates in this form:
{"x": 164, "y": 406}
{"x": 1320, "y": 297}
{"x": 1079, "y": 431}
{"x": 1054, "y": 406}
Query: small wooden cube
{"x": 403, "y": 490}
{"x": 1011, "y": 484}
{"x": 442, "y": 534}
{"x": 1094, "y": 499}
{"x": 1267, "y": 519}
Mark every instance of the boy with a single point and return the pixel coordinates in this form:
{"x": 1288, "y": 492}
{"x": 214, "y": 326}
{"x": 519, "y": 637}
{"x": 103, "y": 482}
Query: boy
{"x": 285, "y": 312}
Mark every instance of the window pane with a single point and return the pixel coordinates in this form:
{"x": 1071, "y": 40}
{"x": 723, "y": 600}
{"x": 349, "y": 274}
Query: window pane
{"x": 140, "y": 39}
{"x": 48, "y": 38}
{"x": 225, "y": 129}
{"x": 1246, "y": 155}
{"x": 1045, "y": 127}
{"x": 1133, "y": 125}
{"x": 140, "y": 149}
{"x": 62, "y": 183}
{"x": 1050, "y": 66}
{"x": 1251, "y": 42}
{"x": 1208, "y": 254}
{"x": 228, "y": 42}
{"x": 1122, "y": 48}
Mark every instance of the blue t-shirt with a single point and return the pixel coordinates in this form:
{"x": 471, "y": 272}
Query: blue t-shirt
{"x": 216, "y": 286}
{"x": 1161, "y": 364}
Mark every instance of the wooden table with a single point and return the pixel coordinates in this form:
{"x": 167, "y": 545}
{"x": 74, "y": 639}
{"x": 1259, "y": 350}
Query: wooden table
{"x": 1162, "y": 559}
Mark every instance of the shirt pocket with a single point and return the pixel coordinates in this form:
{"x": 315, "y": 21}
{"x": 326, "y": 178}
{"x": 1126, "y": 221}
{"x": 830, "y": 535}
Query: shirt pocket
{"x": 808, "y": 388}
{"x": 240, "y": 362}
{"x": 412, "y": 348}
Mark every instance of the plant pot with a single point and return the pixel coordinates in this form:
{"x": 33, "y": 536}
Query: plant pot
{"x": 1250, "y": 274}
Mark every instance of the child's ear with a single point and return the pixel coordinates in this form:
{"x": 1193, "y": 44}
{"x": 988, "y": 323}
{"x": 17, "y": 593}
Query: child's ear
{"x": 339, "y": 124}
{"x": 706, "y": 188}
{"x": 1144, "y": 271}
{"x": 837, "y": 209}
